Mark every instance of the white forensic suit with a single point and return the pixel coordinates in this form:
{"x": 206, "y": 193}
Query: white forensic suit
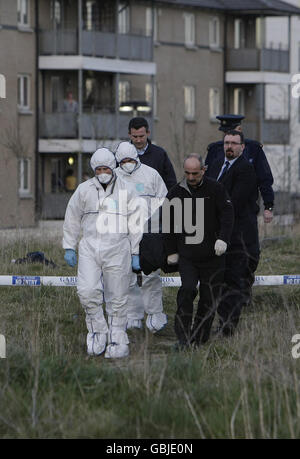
{"x": 148, "y": 184}
{"x": 104, "y": 266}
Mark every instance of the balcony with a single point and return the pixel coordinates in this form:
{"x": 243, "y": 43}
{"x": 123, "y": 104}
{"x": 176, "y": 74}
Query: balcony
{"x": 99, "y": 125}
{"x": 96, "y": 44}
{"x": 252, "y": 59}
{"x": 273, "y": 131}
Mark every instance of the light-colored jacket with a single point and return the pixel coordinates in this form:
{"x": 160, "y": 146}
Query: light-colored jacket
{"x": 92, "y": 208}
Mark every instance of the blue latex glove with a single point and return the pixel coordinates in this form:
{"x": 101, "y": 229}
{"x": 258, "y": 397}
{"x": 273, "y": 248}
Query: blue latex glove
{"x": 70, "y": 257}
{"x": 135, "y": 263}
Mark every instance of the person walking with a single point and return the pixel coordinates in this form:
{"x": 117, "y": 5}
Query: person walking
{"x": 107, "y": 254}
{"x": 198, "y": 260}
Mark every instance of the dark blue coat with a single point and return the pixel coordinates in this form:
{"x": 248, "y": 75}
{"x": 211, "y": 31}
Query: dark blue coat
{"x": 157, "y": 158}
{"x": 254, "y": 153}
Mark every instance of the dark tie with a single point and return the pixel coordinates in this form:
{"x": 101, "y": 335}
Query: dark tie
{"x": 227, "y": 163}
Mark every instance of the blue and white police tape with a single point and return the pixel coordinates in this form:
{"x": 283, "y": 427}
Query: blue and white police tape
{"x": 34, "y": 281}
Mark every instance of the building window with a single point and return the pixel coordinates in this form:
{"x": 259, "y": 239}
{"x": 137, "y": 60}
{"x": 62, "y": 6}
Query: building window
{"x": 124, "y": 91}
{"x": 123, "y": 17}
{"x": 238, "y": 101}
{"x": 189, "y": 29}
{"x": 56, "y": 12}
{"x": 23, "y": 92}
{"x": 239, "y": 34}
{"x": 276, "y": 102}
{"x": 214, "y": 103}
{"x": 189, "y": 102}
{"x": 152, "y": 23}
{"x": 151, "y": 97}
{"x": 214, "y": 32}
{"x": 23, "y": 12}
{"x": 24, "y": 176}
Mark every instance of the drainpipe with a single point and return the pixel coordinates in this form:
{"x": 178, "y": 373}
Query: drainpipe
{"x": 79, "y": 154}
{"x": 37, "y": 200}
{"x": 225, "y": 95}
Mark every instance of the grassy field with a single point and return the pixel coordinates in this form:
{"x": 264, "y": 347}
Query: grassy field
{"x": 242, "y": 387}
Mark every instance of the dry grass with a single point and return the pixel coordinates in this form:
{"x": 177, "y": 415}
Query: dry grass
{"x": 243, "y": 387}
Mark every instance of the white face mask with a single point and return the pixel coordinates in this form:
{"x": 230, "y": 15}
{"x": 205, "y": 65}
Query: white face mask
{"x": 104, "y": 178}
{"x": 128, "y": 167}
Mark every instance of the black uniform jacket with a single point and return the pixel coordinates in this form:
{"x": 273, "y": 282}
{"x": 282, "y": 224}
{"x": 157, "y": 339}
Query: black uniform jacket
{"x": 241, "y": 184}
{"x": 255, "y": 154}
{"x": 217, "y": 222}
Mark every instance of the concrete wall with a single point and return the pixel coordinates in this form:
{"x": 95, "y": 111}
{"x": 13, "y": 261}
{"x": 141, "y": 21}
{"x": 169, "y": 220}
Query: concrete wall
{"x": 17, "y": 56}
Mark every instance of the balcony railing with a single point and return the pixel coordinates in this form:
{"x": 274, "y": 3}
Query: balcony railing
{"x": 100, "y": 125}
{"x": 273, "y": 131}
{"x": 97, "y": 44}
{"x": 273, "y": 60}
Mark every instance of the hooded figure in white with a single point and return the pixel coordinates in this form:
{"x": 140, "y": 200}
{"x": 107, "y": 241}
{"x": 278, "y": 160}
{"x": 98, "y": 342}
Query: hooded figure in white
{"x": 101, "y": 208}
{"x": 148, "y": 184}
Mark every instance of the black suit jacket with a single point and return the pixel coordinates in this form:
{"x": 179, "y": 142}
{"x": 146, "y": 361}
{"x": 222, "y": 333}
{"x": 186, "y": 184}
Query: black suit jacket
{"x": 241, "y": 183}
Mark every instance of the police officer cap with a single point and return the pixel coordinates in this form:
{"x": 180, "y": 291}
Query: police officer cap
{"x": 229, "y": 122}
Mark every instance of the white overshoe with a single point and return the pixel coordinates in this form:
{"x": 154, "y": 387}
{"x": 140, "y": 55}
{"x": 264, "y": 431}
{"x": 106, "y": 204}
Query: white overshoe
{"x": 156, "y": 322}
{"x": 96, "y": 343}
{"x": 118, "y": 345}
{"x": 134, "y": 323}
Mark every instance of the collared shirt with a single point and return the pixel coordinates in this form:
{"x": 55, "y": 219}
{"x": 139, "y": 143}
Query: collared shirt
{"x": 142, "y": 151}
{"x": 230, "y": 161}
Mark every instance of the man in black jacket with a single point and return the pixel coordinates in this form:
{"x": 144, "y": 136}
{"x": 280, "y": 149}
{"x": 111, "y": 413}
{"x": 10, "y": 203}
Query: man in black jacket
{"x": 150, "y": 154}
{"x": 205, "y": 208}
{"x": 239, "y": 178}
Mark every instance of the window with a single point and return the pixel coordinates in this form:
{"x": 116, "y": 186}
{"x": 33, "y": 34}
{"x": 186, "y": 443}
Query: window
{"x": 238, "y": 101}
{"x": 23, "y": 91}
{"x": 214, "y": 103}
{"x": 124, "y": 91}
{"x": 24, "y": 176}
{"x": 239, "y": 34}
{"x": 23, "y": 12}
{"x": 214, "y": 32}
{"x": 189, "y": 102}
{"x": 151, "y": 23}
{"x": 123, "y": 18}
{"x": 56, "y": 12}
{"x": 276, "y": 102}
{"x": 152, "y": 100}
{"x": 189, "y": 29}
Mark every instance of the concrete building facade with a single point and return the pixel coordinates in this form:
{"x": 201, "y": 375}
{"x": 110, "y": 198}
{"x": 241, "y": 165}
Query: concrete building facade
{"x": 187, "y": 60}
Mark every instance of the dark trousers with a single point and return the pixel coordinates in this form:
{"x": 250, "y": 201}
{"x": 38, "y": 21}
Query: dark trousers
{"x": 210, "y": 274}
{"x": 240, "y": 266}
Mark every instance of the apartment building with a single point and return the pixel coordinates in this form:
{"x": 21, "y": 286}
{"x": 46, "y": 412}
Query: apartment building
{"x": 17, "y": 113}
{"x": 187, "y": 61}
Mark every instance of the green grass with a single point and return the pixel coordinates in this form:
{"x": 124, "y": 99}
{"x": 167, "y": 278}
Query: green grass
{"x": 243, "y": 387}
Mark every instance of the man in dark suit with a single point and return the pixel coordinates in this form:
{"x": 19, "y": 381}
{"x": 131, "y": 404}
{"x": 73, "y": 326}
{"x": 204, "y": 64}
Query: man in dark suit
{"x": 150, "y": 154}
{"x": 238, "y": 176}
{"x": 255, "y": 154}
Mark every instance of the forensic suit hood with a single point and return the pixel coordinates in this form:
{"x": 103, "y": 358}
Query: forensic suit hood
{"x": 103, "y": 157}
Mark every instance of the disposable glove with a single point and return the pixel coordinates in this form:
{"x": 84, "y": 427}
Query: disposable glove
{"x": 220, "y": 247}
{"x": 173, "y": 259}
{"x": 135, "y": 263}
{"x": 70, "y": 257}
